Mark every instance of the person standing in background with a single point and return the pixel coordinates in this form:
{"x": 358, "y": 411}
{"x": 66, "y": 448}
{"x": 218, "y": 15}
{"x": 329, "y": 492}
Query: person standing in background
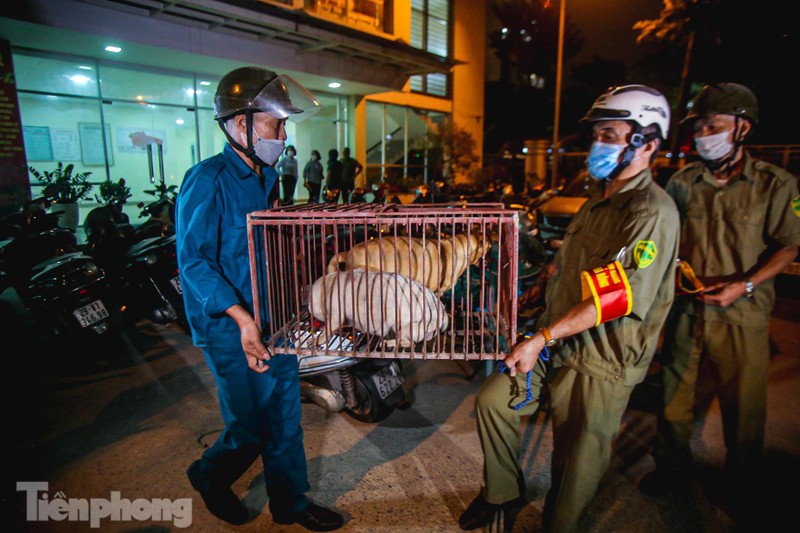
{"x": 351, "y": 168}
{"x": 312, "y": 177}
{"x": 287, "y": 168}
{"x": 740, "y": 227}
{"x": 333, "y": 177}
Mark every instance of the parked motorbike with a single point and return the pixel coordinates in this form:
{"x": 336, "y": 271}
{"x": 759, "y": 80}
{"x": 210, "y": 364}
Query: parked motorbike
{"x": 64, "y": 290}
{"x": 376, "y": 194}
{"x": 366, "y": 389}
{"x": 141, "y": 262}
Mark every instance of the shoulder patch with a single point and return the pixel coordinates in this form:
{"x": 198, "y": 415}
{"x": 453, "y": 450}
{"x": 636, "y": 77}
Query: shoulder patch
{"x": 796, "y": 205}
{"x": 644, "y": 253}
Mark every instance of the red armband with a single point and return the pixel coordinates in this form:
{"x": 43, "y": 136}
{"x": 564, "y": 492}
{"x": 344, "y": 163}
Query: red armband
{"x": 609, "y": 288}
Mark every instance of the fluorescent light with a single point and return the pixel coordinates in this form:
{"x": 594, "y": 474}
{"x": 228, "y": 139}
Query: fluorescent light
{"x": 334, "y": 85}
{"x": 115, "y": 49}
{"x": 84, "y": 67}
{"x": 80, "y": 79}
{"x": 205, "y": 83}
{"x": 179, "y": 122}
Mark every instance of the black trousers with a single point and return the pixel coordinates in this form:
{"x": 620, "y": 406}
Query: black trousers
{"x": 288, "y": 184}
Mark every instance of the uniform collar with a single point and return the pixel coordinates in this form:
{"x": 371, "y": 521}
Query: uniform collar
{"x": 747, "y": 174}
{"x": 621, "y": 198}
{"x": 237, "y": 164}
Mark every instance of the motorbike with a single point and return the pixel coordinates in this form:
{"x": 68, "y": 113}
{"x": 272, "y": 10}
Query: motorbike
{"x": 376, "y": 194}
{"x": 141, "y": 261}
{"x": 367, "y": 389}
{"x": 64, "y": 290}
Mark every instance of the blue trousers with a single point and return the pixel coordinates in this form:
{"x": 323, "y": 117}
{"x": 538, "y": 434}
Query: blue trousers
{"x": 262, "y": 417}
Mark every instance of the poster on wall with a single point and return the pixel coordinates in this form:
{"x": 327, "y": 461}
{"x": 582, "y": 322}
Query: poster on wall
{"x": 136, "y": 140}
{"x": 91, "y": 136}
{"x": 37, "y": 143}
{"x": 66, "y": 144}
{"x": 14, "y": 181}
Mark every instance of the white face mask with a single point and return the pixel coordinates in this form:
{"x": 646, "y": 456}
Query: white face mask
{"x": 268, "y": 150}
{"x": 713, "y": 147}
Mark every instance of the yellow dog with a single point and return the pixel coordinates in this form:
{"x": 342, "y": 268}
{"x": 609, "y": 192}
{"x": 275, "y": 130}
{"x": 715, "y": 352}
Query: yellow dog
{"x": 437, "y": 264}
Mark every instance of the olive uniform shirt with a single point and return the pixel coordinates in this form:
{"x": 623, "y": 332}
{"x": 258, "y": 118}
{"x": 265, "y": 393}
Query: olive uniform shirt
{"x": 639, "y": 224}
{"x": 726, "y": 232}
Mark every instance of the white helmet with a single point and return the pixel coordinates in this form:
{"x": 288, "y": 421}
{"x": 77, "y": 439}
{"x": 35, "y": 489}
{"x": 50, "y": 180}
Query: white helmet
{"x": 636, "y": 103}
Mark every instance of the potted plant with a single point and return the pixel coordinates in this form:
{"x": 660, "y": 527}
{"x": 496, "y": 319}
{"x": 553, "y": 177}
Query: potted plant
{"x": 113, "y": 195}
{"x": 72, "y": 187}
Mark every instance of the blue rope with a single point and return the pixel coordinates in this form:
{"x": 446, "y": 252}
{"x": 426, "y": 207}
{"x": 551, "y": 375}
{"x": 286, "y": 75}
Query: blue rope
{"x": 544, "y": 355}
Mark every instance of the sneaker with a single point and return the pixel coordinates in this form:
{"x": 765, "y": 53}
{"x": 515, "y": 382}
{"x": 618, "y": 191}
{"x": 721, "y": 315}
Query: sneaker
{"x": 314, "y": 518}
{"x": 481, "y": 513}
{"x": 661, "y": 482}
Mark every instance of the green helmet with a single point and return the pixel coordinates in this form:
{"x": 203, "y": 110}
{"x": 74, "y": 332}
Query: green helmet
{"x": 723, "y": 99}
{"x": 251, "y": 89}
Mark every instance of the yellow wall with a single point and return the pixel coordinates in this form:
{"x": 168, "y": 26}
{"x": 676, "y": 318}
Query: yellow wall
{"x": 468, "y": 74}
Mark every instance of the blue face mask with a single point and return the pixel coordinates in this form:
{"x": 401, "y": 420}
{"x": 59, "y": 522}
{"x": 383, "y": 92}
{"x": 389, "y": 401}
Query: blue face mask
{"x": 603, "y": 158}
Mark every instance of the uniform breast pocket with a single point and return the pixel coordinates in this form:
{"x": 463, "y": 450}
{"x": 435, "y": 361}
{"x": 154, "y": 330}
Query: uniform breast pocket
{"x": 744, "y": 225}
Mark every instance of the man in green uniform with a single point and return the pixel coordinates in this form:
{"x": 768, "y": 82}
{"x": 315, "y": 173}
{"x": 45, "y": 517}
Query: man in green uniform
{"x": 605, "y": 307}
{"x": 740, "y": 228}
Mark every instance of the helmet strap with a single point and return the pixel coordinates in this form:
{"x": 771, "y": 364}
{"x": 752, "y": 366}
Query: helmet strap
{"x": 637, "y": 141}
{"x": 249, "y": 151}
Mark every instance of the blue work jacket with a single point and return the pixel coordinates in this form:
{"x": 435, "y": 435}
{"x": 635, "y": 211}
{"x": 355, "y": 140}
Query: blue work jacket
{"x": 211, "y": 235}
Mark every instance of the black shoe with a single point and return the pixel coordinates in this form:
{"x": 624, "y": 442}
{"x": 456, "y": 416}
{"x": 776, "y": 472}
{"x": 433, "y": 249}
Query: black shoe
{"x": 481, "y": 513}
{"x": 314, "y": 518}
{"x": 224, "y": 504}
{"x": 662, "y": 482}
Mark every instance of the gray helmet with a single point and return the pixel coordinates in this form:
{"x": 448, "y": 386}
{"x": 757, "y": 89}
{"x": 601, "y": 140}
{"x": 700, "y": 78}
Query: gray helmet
{"x": 723, "y": 99}
{"x": 258, "y": 89}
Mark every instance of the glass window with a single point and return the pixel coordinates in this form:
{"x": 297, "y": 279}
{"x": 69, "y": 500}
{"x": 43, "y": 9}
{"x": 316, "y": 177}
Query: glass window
{"x": 206, "y": 87}
{"x": 62, "y": 129}
{"x": 398, "y": 147}
{"x": 136, "y": 85}
{"x": 56, "y": 76}
{"x": 150, "y": 143}
{"x": 430, "y": 31}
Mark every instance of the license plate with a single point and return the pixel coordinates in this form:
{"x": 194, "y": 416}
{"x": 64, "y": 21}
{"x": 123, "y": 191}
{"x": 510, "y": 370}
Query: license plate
{"x": 387, "y": 380}
{"x": 176, "y": 282}
{"x": 89, "y": 314}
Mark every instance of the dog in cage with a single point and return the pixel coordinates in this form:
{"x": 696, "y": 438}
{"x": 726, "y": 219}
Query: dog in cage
{"x": 386, "y": 304}
{"x": 437, "y": 263}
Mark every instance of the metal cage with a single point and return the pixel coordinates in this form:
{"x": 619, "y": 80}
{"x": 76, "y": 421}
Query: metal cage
{"x": 386, "y": 280}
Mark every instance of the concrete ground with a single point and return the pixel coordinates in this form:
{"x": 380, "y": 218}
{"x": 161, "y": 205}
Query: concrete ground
{"x": 128, "y": 417}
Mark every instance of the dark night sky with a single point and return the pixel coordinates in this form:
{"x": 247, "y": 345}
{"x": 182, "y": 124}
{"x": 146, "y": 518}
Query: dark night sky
{"x": 607, "y": 27}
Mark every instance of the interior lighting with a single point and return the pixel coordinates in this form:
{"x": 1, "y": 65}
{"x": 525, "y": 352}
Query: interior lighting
{"x": 334, "y": 85}
{"x": 112, "y": 48}
{"x": 80, "y": 79}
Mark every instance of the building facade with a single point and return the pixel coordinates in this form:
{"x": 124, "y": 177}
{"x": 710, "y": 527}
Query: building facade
{"x": 389, "y": 73}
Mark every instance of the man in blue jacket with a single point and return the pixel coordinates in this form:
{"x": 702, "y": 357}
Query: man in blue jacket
{"x": 259, "y": 396}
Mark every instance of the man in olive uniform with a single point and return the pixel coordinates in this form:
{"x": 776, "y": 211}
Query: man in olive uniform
{"x": 740, "y": 228}
{"x": 605, "y": 308}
